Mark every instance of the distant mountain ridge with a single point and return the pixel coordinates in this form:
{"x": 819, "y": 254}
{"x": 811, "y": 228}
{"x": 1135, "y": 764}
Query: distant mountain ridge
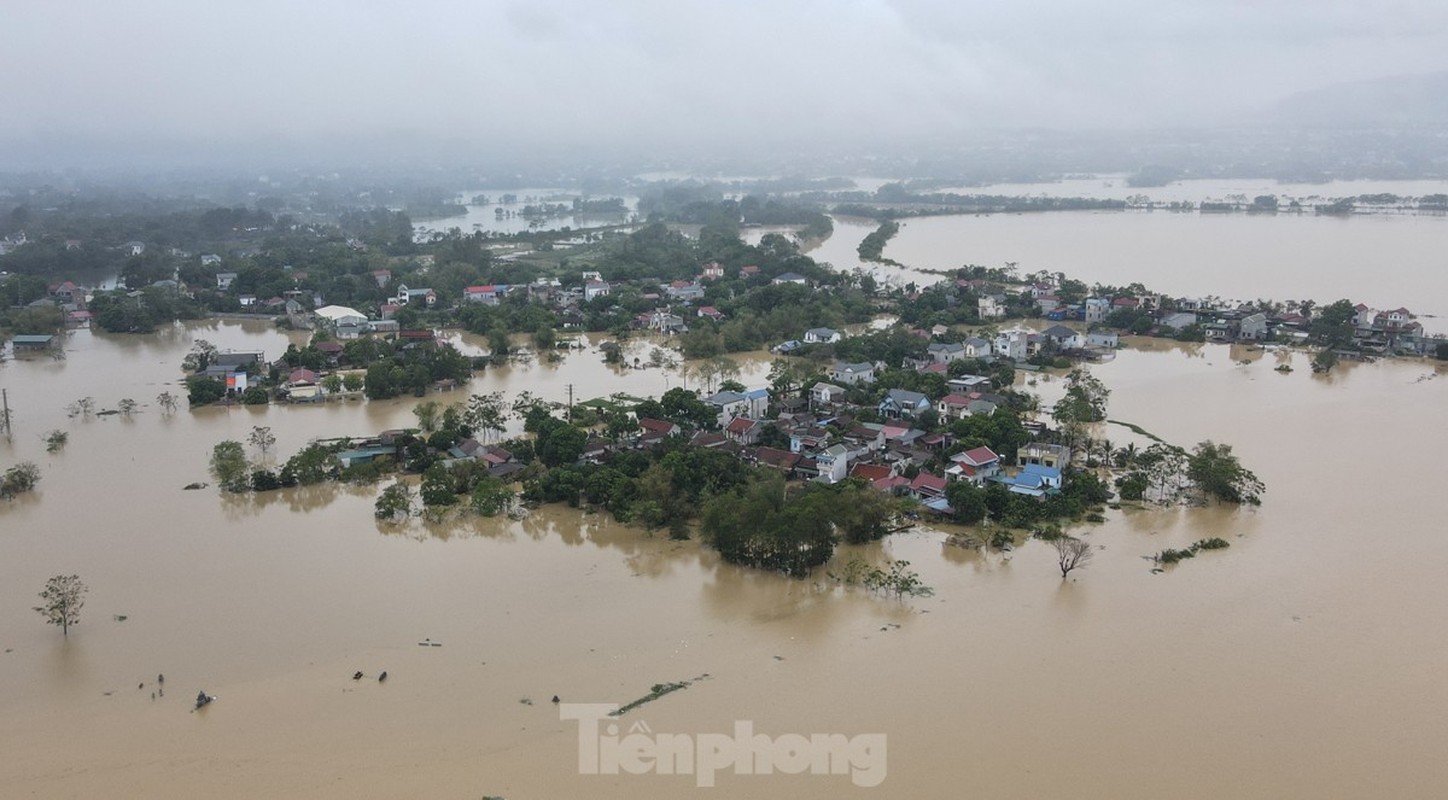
{"x": 1405, "y": 101}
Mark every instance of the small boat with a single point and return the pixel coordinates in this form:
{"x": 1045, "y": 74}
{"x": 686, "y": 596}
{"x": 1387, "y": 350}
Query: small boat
{"x": 203, "y": 699}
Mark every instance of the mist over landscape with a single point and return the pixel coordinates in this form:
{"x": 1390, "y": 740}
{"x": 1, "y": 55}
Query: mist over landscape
{"x": 868, "y": 398}
{"x": 1041, "y": 87}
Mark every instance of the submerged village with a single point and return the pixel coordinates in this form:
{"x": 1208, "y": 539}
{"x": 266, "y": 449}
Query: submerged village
{"x": 884, "y": 403}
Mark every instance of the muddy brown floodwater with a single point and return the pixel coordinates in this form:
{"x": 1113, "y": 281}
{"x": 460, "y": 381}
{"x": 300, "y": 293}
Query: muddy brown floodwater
{"x": 1302, "y": 662}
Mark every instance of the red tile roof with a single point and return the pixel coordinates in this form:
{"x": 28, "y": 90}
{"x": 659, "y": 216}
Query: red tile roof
{"x": 927, "y": 481}
{"x": 740, "y": 425}
{"x": 657, "y": 425}
{"x": 980, "y": 456}
{"x": 776, "y": 457}
{"x": 870, "y": 472}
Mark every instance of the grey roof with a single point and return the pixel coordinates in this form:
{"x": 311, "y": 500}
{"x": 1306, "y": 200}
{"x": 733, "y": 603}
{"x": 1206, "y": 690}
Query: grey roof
{"x": 976, "y": 341}
{"x": 724, "y": 398}
{"x": 906, "y": 397}
{"x": 947, "y": 347}
{"x": 1058, "y": 332}
{"x": 859, "y": 366}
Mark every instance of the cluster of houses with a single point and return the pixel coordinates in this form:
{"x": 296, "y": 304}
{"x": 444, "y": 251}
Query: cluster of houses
{"x": 70, "y": 299}
{"x": 827, "y": 443}
{"x": 1394, "y": 331}
{"x": 500, "y": 462}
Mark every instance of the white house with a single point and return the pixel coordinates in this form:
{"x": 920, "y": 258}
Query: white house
{"x": 991, "y": 306}
{"x": 974, "y": 466}
{"x": 791, "y": 277}
{"x": 1063, "y": 337}
{"x": 859, "y": 372}
{"x": 1253, "y": 326}
{"x": 826, "y": 394}
{"x": 1179, "y": 320}
{"x": 341, "y": 315}
{"x": 225, "y": 279}
{"x": 833, "y": 463}
{"x": 1096, "y": 309}
{"x": 976, "y": 347}
{"x": 821, "y": 336}
{"x": 944, "y": 353}
{"x": 753, "y": 404}
{"x": 487, "y": 295}
{"x": 1013, "y": 344}
{"x": 406, "y": 296}
{"x": 594, "y": 289}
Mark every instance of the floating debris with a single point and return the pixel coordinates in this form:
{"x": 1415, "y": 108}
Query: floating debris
{"x": 658, "y": 690}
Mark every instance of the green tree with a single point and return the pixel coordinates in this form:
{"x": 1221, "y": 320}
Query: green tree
{"x": 18, "y": 480}
{"x": 491, "y": 497}
{"x": 229, "y": 467}
{"x": 314, "y": 464}
{"x": 201, "y": 390}
{"x": 487, "y": 415}
{"x": 428, "y": 413}
{"x": 262, "y": 438}
{"x": 438, "y": 486}
{"x": 1332, "y": 326}
{"x": 1218, "y": 473}
{"x": 62, "y": 600}
{"x": 967, "y": 501}
{"x": 394, "y": 503}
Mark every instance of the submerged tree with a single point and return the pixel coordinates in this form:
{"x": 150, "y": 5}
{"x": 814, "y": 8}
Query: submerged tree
{"x": 63, "y": 598}
{"x": 167, "y": 402}
{"x": 1217, "y": 473}
{"x": 262, "y": 438}
{"x": 487, "y": 415}
{"x": 55, "y": 441}
{"x": 18, "y": 480}
{"x": 126, "y": 406}
{"x": 428, "y": 413}
{"x": 1071, "y": 553}
{"x": 84, "y": 408}
{"x": 395, "y": 503}
{"x": 229, "y": 467}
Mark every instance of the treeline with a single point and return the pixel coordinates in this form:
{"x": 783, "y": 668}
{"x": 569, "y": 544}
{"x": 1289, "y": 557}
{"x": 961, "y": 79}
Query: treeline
{"x": 873, "y": 245}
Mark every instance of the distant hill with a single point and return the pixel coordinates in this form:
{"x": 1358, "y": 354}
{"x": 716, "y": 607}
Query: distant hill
{"x": 1409, "y": 101}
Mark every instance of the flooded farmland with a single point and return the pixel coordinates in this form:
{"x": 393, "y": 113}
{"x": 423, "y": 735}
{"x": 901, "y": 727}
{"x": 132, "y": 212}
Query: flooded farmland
{"x": 1298, "y": 663}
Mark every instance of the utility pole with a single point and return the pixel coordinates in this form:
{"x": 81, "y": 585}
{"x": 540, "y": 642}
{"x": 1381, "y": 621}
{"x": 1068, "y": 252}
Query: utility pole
{"x": 570, "y": 404}
{"x": 5, "y": 412}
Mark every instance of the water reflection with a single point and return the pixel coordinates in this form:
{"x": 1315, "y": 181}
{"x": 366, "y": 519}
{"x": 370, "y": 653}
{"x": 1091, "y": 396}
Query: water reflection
{"x": 220, "y": 595}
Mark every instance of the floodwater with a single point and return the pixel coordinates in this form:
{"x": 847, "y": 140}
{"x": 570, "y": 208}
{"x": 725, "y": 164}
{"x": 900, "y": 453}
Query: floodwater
{"x": 1115, "y": 187}
{"x": 484, "y": 216}
{"x": 1385, "y": 261}
{"x": 840, "y": 251}
{"x": 1301, "y": 662}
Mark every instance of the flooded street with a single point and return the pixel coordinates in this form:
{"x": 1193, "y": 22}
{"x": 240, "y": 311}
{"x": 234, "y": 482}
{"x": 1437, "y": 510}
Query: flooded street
{"x": 1296, "y": 664}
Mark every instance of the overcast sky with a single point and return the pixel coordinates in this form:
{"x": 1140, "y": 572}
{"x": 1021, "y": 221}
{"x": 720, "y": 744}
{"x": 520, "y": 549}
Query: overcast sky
{"x": 673, "y": 71}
